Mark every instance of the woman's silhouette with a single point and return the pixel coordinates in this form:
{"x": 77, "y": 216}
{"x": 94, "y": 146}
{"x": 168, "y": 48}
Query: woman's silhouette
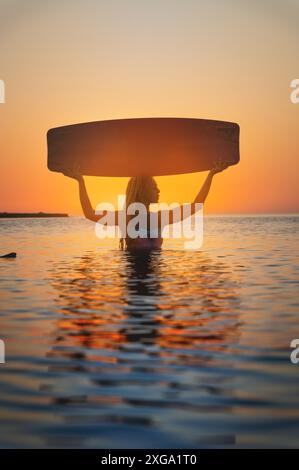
{"x": 144, "y": 189}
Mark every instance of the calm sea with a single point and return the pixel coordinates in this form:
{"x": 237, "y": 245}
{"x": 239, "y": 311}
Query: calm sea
{"x": 176, "y": 349}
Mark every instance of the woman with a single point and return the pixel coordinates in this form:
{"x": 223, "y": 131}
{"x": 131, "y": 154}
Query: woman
{"x": 144, "y": 189}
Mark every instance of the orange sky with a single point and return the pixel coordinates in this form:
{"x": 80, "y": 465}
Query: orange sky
{"x": 66, "y": 62}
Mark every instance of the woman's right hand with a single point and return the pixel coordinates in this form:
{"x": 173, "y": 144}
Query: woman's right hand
{"x": 73, "y": 172}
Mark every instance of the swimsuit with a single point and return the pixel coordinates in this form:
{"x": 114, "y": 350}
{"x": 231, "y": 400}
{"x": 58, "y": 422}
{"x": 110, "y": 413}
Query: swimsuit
{"x": 153, "y": 240}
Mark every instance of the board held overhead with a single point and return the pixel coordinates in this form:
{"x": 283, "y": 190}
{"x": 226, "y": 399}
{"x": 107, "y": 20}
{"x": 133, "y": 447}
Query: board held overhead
{"x": 143, "y": 146}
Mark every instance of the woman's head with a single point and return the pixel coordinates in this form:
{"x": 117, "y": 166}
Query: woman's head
{"x": 142, "y": 189}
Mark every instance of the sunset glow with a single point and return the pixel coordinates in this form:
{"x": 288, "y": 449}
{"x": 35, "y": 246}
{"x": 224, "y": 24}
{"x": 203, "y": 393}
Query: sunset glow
{"x": 64, "y": 65}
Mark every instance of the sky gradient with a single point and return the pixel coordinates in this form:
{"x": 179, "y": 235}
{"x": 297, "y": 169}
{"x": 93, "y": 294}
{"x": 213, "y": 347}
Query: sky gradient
{"x": 65, "y": 62}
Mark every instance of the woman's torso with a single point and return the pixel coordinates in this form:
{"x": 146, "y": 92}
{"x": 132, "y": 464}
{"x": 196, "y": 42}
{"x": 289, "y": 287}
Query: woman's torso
{"x": 150, "y": 238}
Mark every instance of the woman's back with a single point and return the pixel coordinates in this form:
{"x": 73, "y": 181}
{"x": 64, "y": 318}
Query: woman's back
{"x": 147, "y": 242}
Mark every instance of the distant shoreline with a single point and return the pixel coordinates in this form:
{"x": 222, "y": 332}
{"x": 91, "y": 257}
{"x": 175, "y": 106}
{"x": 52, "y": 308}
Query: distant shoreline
{"x": 10, "y": 215}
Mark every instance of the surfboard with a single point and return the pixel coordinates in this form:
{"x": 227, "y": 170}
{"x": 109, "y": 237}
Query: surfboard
{"x": 143, "y": 146}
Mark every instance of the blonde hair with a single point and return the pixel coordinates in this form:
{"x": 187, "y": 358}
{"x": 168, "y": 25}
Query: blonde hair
{"x": 139, "y": 189}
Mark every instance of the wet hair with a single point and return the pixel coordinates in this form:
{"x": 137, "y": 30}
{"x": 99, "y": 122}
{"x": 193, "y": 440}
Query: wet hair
{"x": 139, "y": 189}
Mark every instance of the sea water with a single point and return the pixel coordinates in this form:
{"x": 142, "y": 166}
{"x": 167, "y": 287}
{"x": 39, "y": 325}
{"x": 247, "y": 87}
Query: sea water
{"x": 173, "y": 349}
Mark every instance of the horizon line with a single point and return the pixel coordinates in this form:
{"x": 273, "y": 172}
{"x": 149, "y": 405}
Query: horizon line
{"x": 209, "y": 213}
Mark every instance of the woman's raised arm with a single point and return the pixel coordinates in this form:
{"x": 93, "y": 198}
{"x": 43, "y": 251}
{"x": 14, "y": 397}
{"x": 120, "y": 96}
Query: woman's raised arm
{"x": 87, "y": 208}
{"x": 178, "y": 214}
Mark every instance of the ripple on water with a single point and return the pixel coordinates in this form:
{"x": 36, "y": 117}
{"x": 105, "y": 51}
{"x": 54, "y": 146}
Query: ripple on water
{"x": 171, "y": 349}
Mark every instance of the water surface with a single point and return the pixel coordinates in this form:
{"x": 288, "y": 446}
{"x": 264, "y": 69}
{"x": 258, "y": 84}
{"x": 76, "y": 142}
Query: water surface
{"x": 175, "y": 349}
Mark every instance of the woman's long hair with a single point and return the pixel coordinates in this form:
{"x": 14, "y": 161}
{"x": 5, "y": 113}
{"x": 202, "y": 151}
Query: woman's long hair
{"x": 139, "y": 189}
